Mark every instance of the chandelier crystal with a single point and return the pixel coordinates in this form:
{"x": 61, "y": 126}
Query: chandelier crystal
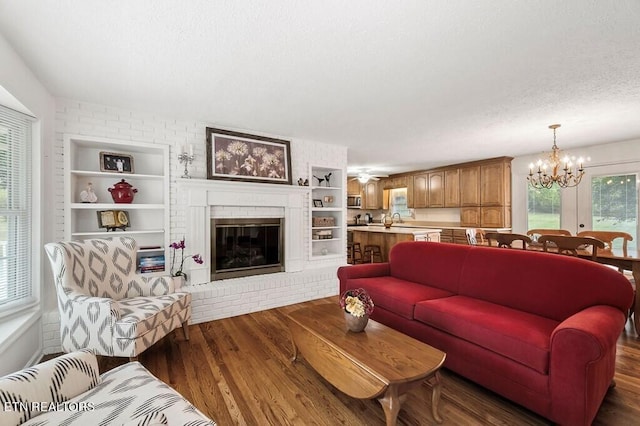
{"x": 556, "y": 169}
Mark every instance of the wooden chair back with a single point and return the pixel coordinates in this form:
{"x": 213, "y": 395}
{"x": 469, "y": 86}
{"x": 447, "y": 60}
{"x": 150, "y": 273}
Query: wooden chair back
{"x": 607, "y": 238}
{"x": 569, "y": 245}
{"x": 534, "y": 234}
{"x": 506, "y": 240}
{"x": 473, "y": 235}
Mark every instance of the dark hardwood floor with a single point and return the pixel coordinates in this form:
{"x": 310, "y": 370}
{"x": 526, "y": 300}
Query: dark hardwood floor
{"x": 237, "y": 371}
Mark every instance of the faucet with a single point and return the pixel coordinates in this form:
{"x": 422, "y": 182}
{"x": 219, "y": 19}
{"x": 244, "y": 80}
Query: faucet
{"x": 399, "y": 218}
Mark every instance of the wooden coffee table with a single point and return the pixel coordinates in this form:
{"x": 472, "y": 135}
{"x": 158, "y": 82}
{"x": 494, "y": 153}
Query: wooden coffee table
{"x": 379, "y": 363}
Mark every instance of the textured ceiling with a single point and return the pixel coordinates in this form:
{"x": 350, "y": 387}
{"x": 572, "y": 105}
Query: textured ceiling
{"x": 403, "y": 84}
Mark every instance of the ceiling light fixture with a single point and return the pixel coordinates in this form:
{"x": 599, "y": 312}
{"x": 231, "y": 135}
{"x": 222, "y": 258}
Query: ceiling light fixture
{"x": 364, "y": 177}
{"x": 560, "y": 168}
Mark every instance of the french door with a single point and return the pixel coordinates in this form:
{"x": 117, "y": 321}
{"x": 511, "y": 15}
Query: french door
{"x": 608, "y": 199}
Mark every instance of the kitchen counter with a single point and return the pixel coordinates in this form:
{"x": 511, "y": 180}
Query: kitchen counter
{"x": 431, "y": 226}
{"x": 385, "y": 238}
{"x": 395, "y": 230}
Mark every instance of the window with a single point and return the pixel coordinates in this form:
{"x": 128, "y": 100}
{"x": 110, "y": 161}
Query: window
{"x": 15, "y": 208}
{"x": 543, "y": 208}
{"x": 398, "y": 202}
{"x": 614, "y": 205}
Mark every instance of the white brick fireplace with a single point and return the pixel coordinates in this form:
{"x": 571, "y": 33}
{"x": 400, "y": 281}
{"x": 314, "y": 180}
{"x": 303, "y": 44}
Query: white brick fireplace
{"x": 302, "y": 280}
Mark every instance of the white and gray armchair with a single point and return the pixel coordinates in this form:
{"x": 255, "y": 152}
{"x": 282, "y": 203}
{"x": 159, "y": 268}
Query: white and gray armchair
{"x": 105, "y": 306}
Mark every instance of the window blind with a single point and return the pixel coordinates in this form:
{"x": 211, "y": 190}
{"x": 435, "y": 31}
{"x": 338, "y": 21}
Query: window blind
{"x": 15, "y": 208}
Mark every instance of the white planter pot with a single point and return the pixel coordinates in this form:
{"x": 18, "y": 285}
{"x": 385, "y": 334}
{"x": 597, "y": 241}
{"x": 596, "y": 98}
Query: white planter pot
{"x": 179, "y": 282}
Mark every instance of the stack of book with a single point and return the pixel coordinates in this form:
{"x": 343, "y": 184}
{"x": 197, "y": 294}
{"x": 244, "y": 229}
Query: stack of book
{"x": 151, "y": 263}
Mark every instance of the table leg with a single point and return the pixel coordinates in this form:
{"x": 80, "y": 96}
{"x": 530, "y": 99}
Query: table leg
{"x": 436, "y": 390}
{"x": 391, "y": 405}
{"x": 635, "y": 270}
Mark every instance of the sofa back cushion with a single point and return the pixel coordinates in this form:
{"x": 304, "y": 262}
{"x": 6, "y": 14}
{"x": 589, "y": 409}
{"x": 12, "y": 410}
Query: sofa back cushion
{"x": 31, "y": 391}
{"x": 434, "y": 264}
{"x": 551, "y": 285}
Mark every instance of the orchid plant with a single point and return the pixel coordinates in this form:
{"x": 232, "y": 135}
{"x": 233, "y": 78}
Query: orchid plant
{"x": 182, "y": 257}
{"x": 357, "y": 302}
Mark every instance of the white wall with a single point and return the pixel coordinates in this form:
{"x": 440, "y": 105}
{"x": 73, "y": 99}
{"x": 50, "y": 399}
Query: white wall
{"x": 318, "y": 279}
{"x": 605, "y": 154}
{"x": 23, "y": 345}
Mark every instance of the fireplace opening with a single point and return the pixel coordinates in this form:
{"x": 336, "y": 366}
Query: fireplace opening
{"x": 243, "y": 247}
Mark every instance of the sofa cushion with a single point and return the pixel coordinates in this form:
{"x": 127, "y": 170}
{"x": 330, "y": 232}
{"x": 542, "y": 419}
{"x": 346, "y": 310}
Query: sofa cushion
{"x": 396, "y": 295}
{"x": 28, "y": 392}
{"x": 434, "y": 264}
{"x": 545, "y": 284}
{"x": 520, "y": 336}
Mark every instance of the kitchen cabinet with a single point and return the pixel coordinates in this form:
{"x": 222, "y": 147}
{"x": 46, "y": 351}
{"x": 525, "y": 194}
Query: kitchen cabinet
{"x": 470, "y": 216}
{"x": 410, "y": 199}
{"x": 354, "y": 187}
{"x": 372, "y": 196}
{"x": 470, "y": 186}
{"x": 495, "y": 184}
{"x": 495, "y": 217}
{"x": 393, "y": 182}
{"x": 421, "y": 190}
{"x": 436, "y": 189}
{"x": 452, "y": 187}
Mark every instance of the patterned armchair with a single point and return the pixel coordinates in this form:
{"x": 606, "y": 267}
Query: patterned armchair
{"x": 105, "y": 306}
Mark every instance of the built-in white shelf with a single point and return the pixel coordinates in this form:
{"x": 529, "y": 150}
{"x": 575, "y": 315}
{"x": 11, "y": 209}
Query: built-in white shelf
{"x": 335, "y": 196}
{"x": 149, "y": 211}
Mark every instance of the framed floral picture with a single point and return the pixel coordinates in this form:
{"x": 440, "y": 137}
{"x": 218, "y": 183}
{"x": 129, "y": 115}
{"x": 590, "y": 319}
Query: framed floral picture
{"x": 249, "y": 158}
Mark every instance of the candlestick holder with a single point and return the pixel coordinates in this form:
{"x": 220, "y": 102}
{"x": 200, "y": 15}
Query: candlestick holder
{"x": 186, "y": 158}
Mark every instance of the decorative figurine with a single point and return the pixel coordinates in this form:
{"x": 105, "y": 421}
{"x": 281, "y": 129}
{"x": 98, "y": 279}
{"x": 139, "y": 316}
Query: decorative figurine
{"x": 300, "y": 182}
{"x": 87, "y": 195}
{"x": 320, "y": 180}
{"x": 306, "y": 182}
{"x": 327, "y": 177}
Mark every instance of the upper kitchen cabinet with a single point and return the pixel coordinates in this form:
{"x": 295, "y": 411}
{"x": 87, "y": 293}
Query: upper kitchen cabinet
{"x": 452, "y": 187}
{"x": 495, "y": 183}
{"x": 436, "y": 189}
{"x": 470, "y": 186}
{"x": 372, "y": 196}
{"x": 354, "y": 187}
{"x": 421, "y": 190}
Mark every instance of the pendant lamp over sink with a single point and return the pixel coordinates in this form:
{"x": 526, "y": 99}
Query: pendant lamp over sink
{"x": 565, "y": 172}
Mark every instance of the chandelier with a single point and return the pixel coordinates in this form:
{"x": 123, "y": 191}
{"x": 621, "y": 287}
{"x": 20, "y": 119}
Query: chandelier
{"x": 555, "y": 169}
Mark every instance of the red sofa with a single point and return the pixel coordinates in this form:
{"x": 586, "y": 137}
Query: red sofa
{"x": 538, "y": 328}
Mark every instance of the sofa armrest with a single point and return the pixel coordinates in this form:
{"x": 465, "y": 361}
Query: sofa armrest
{"x": 29, "y": 392}
{"x": 150, "y": 286}
{"x": 582, "y": 363}
{"x": 366, "y": 270}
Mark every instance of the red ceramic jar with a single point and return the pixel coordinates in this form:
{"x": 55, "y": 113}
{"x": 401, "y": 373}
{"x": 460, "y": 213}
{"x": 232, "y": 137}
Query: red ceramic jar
{"x": 122, "y": 192}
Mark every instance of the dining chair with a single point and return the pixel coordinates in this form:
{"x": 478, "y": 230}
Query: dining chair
{"x": 105, "y": 305}
{"x": 506, "y": 240}
{"x": 569, "y": 245}
{"x": 607, "y": 237}
{"x": 473, "y": 234}
{"x": 535, "y": 234}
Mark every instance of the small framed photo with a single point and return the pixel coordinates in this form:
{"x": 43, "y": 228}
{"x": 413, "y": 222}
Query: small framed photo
{"x": 118, "y": 163}
{"x": 113, "y": 219}
{"x": 317, "y": 203}
{"x": 328, "y": 199}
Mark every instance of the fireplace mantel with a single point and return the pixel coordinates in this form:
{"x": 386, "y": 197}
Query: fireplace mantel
{"x": 201, "y": 195}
